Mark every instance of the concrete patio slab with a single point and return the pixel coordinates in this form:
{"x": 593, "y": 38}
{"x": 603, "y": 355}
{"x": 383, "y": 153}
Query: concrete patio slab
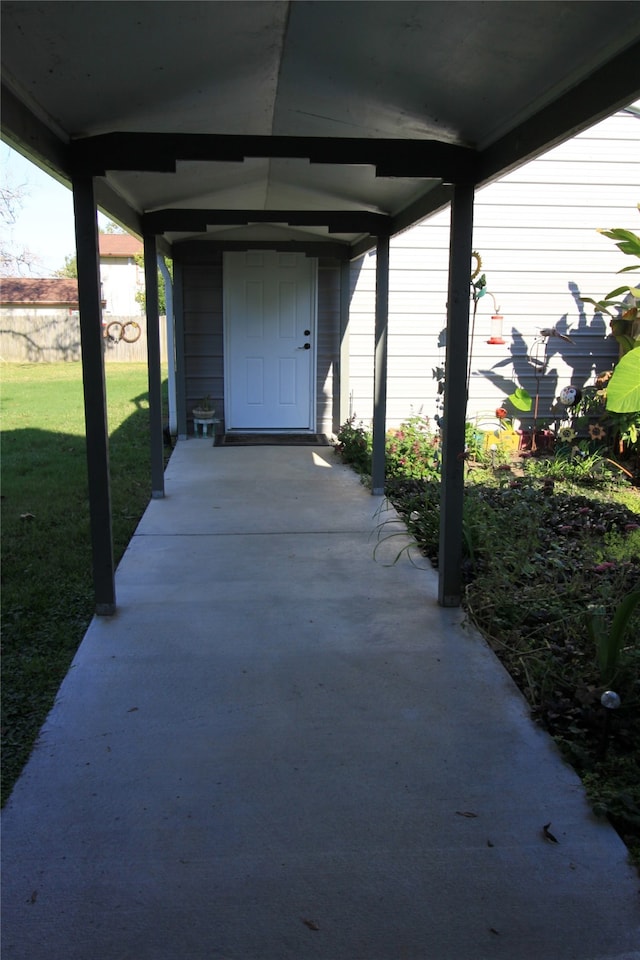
{"x": 281, "y": 747}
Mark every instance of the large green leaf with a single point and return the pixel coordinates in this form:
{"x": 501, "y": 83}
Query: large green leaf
{"x": 623, "y": 390}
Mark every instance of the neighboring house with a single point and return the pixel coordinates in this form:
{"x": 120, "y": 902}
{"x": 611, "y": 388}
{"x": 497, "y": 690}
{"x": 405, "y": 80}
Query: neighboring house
{"x": 41, "y": 316}
{"x": 537, "y": 232}
{"x": 121, "y": 275}
{"x": 33, "y": 298}
{"x": 40, "y": 322}
{"x": 39, "y": 319}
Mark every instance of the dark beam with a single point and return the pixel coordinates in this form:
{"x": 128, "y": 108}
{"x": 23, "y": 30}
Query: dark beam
{"x": 430, "y": 203}
{"x": 27, "y": 134}
{"x": 361, "y": 247}
{"x": 200, "y": 251}
{"x": 193, "y": 220}
{"x": 111, "y": 203}
{"x": 426, "y": 205}
{"x": 609, "y": 88}
{"x": 161, "y": 152}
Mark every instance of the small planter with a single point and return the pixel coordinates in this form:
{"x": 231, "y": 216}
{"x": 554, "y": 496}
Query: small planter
{"x": 507, "y": 440}
{"x": 203, "y": 418}
{"x": 202, "y": 413}
{"x": 531, "y": 442}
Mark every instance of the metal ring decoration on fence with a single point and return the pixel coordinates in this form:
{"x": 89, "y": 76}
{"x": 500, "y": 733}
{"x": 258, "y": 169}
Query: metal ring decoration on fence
{"x": 113, "y": 330}
{"x": 129, "y": 331}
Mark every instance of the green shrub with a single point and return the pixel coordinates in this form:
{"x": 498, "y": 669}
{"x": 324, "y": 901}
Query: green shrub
{"x": 354, "y": 446}
{"x": 412, "y": 451}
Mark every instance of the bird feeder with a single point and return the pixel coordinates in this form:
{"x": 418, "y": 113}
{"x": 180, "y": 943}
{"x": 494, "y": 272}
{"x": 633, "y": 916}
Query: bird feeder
{"x": 496, "y": 329}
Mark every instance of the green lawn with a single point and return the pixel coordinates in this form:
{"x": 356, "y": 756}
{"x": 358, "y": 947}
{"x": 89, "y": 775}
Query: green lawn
{"x": 47, "y": 590}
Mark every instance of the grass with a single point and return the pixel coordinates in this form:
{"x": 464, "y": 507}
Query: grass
{"x": 47, "y": 589}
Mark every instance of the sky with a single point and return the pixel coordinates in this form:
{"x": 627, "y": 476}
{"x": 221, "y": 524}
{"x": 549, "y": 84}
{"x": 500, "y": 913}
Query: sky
{"x": 45, "y": 222}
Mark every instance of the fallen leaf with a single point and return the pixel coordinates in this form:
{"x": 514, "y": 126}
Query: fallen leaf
{"x": 493, "y": 930}
{"x": 466, "y": 813}
{"x": 33, "y": 897}
{"x": 133, "y": 709}
{"x": 311, "y": 924}
{"x": 547, "y": 833}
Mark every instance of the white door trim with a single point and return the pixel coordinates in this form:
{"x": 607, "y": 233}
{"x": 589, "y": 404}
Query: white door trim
{"x": 231, "y": 261}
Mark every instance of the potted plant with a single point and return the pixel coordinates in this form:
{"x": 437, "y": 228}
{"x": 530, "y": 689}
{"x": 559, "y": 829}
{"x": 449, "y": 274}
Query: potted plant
{"x": 204, "y": 409}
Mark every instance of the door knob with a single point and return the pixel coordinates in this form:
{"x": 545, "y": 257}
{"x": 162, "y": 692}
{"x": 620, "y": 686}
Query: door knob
{"x": 307, "y": 346}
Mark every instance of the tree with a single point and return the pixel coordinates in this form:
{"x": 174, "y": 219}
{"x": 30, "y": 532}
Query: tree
{"x": 111, "y": 227}
{"x": 141, "y": 297}
{"x": 15, "y": 260}
{"x": 70, "y": 268}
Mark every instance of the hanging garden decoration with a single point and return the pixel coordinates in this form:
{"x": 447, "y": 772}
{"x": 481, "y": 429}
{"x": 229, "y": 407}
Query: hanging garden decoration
{"x": 479, "y": 290}
{"x": 570, "y": 396}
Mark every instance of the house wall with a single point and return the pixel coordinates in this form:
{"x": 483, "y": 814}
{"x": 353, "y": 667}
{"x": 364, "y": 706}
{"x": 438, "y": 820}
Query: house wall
{"x": 204, "y": 335}
{"x": 121, "y": 279}
{"x": 536, "y": 230}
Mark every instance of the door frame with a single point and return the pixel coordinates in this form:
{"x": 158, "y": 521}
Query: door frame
{"x": 227, "y": 358}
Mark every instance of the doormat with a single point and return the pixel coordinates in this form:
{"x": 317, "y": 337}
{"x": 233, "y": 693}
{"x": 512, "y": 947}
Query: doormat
{"x": 272, "y": 440}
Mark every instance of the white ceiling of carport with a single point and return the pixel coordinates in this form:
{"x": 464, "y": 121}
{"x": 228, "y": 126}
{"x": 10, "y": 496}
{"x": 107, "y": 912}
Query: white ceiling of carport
{"x": 463, "y": 73}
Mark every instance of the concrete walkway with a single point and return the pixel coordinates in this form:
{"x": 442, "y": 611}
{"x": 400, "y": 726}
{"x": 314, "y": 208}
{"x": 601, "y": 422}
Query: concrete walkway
{"x": 283, "y": 749}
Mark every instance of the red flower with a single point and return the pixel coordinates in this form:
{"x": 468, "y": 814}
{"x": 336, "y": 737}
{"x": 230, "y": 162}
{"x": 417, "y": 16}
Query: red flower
{"x": 501, "y": 413}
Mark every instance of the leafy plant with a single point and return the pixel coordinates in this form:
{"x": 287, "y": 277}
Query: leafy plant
{"x": 609, "y": 642}
{"x": 623, "y": 389}
{"x": 355, "y": 445}
{"x": 412, "y": 450}
{"x": 623, "y": 306}
{"x": 623, "y": 303}
{"x": 578, "y": 464}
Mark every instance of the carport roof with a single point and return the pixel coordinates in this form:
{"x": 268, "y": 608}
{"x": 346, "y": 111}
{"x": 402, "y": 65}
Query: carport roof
{"x": 304, "y": 122}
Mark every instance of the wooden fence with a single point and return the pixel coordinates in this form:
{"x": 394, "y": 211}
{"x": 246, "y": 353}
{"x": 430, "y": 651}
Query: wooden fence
{"x": 54, "y": 337}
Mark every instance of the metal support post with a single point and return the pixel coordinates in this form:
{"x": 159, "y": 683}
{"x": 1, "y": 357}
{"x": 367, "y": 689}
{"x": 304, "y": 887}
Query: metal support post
{"x": 154, "y": 367}
{"x": 344, "y": 377}
{"x": 455, "y": 398}
{"x": 181, "y": 380}
{"x": 95, "y": 398}
{"x": 380, "y": 367}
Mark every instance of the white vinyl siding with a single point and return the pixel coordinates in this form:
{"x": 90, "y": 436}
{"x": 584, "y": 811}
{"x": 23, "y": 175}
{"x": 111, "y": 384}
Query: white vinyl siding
{"x": 536, "y": 230}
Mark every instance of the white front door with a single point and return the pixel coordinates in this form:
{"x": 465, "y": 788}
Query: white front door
{"x": 269, "y": 322}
